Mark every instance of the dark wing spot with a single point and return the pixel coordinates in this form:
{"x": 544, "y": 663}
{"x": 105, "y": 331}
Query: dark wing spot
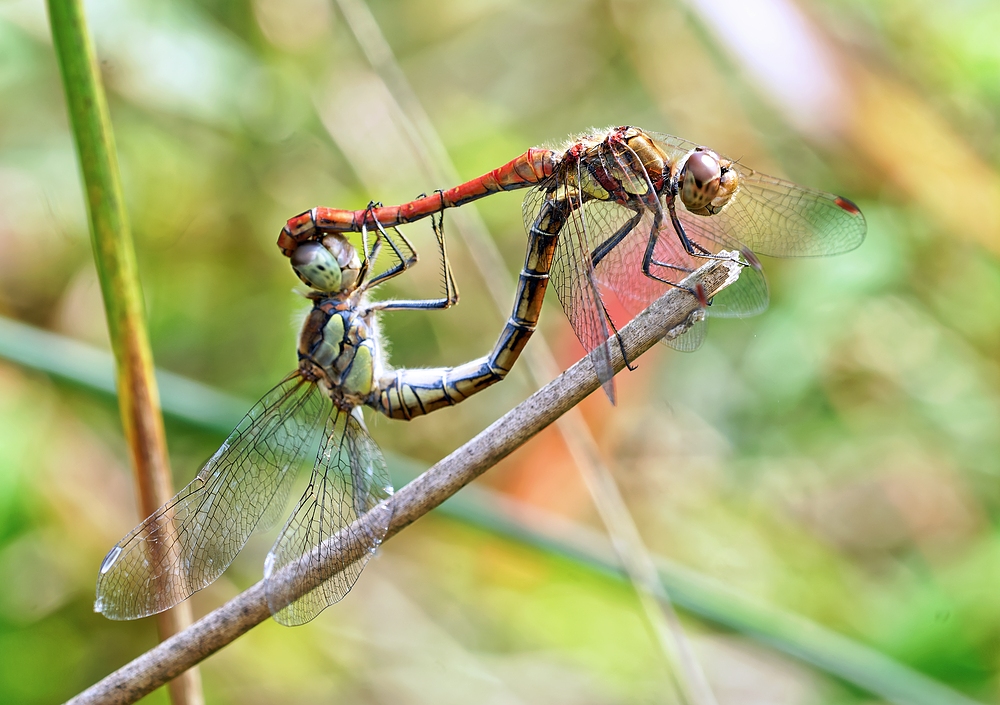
{"x": 848, "y": 205}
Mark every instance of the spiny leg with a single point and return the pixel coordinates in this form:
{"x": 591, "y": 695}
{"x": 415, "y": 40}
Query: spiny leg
{"x": 689, "y": 247}
{"x": 640, "y": 194}
{"x": 451, "y": 290}
{"x": 602, "y": 250}
{"x": 599, "y": 253}
{"x": 406, "y": 254}
{"x": 403, "y": 261}
{"x": 370, "y": 254}
{"x": 618, "y": 338}
{"x": 605, "y": 248}
{"x": 410, "y": 393}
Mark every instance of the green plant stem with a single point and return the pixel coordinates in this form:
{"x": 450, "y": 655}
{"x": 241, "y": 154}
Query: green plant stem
{"x": 114, "y": 256}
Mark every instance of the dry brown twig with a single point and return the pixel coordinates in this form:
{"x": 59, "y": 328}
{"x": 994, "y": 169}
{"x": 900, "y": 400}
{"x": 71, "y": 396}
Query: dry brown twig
{"x": 670, "y": 315}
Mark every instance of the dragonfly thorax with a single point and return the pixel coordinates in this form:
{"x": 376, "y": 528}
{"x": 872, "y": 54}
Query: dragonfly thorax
{"x": 331, "y": 265}
{"x": 651, "y": 161}
{"x": 338, "y": 346}
{"x": 706, "y": 182}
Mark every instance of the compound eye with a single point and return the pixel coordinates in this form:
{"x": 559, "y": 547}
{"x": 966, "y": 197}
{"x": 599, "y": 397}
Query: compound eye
{"x": 317, "y": 267}
{"x": 346, "y": 255}
{"x": 700, "y": 180}
{"x": 727, "y": 186}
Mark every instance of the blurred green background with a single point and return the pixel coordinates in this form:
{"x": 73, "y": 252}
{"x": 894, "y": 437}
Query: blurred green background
{"x": 837, "y": 457}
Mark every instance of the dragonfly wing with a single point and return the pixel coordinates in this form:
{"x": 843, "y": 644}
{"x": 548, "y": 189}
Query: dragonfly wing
{"x": 573, "y": 272}
{"x": 777, "y": 218}
{"x": 672, "y": 146}
{"x": 691, "y": 339}
{"x": 773, "y": 217}
{"x": 621, "y": 272}
{"x": 748, "y": 295}
{"x": 188, "y": 542}
{"x": 348, "y": 481}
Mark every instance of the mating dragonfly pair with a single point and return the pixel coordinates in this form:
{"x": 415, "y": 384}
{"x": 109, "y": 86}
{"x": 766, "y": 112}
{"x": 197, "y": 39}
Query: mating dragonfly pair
{"x": 622, "y": 215}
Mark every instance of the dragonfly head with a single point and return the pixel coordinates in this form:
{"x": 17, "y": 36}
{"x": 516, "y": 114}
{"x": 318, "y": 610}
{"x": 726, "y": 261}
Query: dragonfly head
{"x": 330, "y": 266}
{"x": 707, "y": 182}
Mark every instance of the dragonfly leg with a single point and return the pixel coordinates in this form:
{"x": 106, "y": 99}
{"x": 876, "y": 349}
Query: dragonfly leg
{"x": 647, "y": 257}
{"x": 691, "y": 247}
{"x": 602, "y": 250}
{"x": 406, "y": 255}
{"x": 599, "y": 253}
{"x": 370, "y": 254}
{"x": 450, "y": 289}
{"x": 315, "y": 224}
{"x": 408, "y": 393}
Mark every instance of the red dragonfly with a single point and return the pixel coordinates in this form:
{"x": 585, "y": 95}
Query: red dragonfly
{"x": 634, "y": 212}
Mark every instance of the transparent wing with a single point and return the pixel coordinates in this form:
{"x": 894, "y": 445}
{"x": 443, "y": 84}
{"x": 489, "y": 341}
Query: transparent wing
{"x": 780, "y": 219}
{"x": 348, "y": 480}
{"x": 572, "y": 274}
{"x": 691, "y": 339}
{"x": 670, "y": 261}
{"x": 774, "y": 217}
{"x": 671, "y": 145}
{"x": 621, "y": 271}
{"x": 748, "y": 296}
{"x": 188, "y": 542}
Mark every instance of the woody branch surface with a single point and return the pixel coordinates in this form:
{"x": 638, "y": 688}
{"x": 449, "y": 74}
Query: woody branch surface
{"x": 669, "y": 315}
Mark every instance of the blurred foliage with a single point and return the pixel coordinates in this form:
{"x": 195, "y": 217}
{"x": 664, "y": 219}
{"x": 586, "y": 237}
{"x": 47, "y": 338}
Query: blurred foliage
{"x": 837, "y": 456}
